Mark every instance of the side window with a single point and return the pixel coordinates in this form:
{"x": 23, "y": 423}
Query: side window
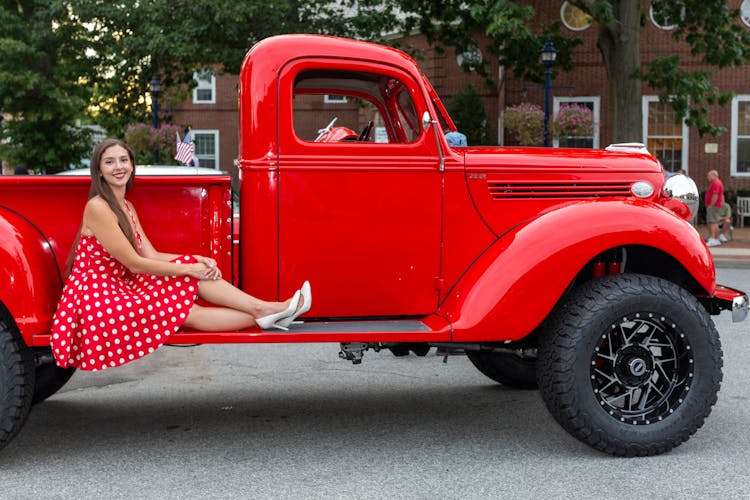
{"x": 665, "y": 139}
{"x": 578, "y": 140}
{"x": 205, "y": 89}
{"x": 367, "y": 107}
{"x": 207, "y": 147}
{"x": 740, "y": 146}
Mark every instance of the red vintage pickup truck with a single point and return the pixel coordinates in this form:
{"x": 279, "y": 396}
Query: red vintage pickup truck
{"x": 571, "y": 270}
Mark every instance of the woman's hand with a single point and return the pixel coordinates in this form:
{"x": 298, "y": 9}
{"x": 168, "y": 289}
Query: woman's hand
{"x": 214, "y": 273}
{"x": 203, "y": 272}
{"x": 205, "y": 260}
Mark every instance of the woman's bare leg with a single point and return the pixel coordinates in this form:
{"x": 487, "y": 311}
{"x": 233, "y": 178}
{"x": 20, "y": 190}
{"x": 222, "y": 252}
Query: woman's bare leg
{"x": 223, "y": 293}
{"x": 217, "y": 319}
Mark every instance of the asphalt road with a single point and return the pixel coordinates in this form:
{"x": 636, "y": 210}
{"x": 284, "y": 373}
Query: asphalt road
{"x": 294, "y": 421}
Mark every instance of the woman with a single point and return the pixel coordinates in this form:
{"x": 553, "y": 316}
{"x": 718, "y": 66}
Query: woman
{"x": 123, "y": 298}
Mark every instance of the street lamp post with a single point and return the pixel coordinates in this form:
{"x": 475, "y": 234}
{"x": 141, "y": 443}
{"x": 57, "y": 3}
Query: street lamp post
{"x": 155, "y": 88}
{"x": 549, "y": 54}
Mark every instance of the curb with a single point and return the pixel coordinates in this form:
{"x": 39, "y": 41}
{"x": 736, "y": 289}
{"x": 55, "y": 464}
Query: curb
{"x": 731, "y": 257}
{"x": 727, "y": 261}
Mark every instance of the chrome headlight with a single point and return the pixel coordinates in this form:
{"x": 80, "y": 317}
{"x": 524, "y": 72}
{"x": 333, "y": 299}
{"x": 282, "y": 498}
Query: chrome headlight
{"x": 642, "y": 189}
{"x": 684, "y": 189}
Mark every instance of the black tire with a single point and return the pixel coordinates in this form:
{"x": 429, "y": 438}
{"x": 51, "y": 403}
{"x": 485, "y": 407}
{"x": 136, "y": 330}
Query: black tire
{"x": 630, "y": 365}
{"x": 419, "y": 349}
{"x": 509, "y": 369}
{"x": 49, "y": 377}
{"x": 16, "y": 380}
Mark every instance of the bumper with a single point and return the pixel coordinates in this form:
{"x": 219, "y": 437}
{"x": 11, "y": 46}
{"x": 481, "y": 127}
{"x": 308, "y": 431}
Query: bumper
{"x": 725, "y": 298}
{"x": 739, "y": 308}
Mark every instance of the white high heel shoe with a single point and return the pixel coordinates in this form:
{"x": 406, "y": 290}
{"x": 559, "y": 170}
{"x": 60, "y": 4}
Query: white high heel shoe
{"x": 306, "y": 305}
{"x": 274, "y": 320}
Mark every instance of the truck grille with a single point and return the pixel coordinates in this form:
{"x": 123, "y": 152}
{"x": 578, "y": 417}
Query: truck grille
{"x": 564, "y": 190}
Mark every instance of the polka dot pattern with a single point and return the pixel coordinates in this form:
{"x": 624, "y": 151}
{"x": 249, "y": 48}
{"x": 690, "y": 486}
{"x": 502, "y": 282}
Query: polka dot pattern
{"x": 108, "y": 316}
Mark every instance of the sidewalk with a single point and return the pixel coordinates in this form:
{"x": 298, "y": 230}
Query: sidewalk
{"x": 734, "y": 253}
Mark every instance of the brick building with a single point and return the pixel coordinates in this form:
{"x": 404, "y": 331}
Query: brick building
{"x": 212, "y": 112}
{"x": 677, "y": 146}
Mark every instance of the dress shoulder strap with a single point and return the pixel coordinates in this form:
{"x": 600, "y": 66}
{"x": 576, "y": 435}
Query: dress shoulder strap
{"x": 130, "y": 212}
{"x": 138, "y": 238}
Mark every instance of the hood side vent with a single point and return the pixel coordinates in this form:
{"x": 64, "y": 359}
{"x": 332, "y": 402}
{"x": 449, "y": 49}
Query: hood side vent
{"x": 557, "y": 190}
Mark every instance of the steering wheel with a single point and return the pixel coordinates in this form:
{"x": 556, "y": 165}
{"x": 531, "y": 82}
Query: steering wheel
{"x": 324, "y": 131}
{"x": 364, "y": 136}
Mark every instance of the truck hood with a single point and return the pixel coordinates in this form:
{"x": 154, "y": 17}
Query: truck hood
{"x": 513, "y": 185}
{"x": 548, "y": 160}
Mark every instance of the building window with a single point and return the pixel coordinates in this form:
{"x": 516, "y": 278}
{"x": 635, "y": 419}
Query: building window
{"x": 578, "y": 142}
{"x": 470, "y": 59}
{"x": 205, "y": 89}
{"x": 660, "y": 20}
{"x": 207, "y": 147}
{"x": 665, "y": 139}
{"x": 740, "y": 148}
{"x": 745, "y": 12}
{"x": 574, "y": 18}
{"x": 334, "y": 99}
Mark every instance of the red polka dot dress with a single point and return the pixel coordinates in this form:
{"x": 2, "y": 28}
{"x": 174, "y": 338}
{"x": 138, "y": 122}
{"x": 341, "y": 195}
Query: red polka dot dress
{"x": 108, "y": 316}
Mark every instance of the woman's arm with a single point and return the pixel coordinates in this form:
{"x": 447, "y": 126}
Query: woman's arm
{"x": 101, "y": 221}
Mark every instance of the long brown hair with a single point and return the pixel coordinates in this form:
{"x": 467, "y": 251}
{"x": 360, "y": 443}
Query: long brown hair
{"x": 102, "y": 189}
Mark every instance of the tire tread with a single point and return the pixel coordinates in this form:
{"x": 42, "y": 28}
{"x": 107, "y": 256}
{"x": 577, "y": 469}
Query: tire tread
{"x": 562, "y": 334}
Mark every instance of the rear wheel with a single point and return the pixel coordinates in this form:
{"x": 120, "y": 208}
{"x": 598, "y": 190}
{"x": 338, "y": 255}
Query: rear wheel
{"x": 630, "y": 365}
{"x": 50, "y": 378}
{"x": 514, "y": 370}
{"x": 16, "y": 380}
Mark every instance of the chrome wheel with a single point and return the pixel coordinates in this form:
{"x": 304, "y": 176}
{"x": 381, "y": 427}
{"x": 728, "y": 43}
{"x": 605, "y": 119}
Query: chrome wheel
{"x": 641, "y": 369}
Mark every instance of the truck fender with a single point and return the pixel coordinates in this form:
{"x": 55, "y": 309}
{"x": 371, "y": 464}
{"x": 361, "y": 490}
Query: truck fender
{"x": 30, "y": 280}
{"x": 507, "y": 292}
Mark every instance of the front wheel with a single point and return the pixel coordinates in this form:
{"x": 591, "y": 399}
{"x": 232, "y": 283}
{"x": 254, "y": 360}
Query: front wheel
{"x": 630, "y": 365}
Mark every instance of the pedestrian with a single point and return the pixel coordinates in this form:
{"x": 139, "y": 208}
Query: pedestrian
{"x": 725, "y": 223}
{"x": 714, "y": 201}
{"x": 123, "y": 299}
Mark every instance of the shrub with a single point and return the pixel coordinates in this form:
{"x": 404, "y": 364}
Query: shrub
{"x": 525, "y": 122}
{"x": 142, "y": 138}
{"x": 467, "y": 110}
{"x": 573, "y": 120}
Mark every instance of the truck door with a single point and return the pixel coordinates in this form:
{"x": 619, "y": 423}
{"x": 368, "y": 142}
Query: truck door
{"x": 360, "y": 190}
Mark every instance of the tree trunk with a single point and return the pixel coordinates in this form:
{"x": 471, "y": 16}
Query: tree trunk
{"x": 619, "y": 43}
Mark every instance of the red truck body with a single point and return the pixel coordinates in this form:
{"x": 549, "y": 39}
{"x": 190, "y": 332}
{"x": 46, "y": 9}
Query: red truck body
{"x": 404, "y": 238}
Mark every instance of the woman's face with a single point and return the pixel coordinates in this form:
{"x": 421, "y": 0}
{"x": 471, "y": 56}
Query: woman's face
{"x": 116, "y": 166}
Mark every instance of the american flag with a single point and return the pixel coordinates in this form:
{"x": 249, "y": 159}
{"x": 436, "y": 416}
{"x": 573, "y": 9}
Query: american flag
{"x": 185, "y": 149}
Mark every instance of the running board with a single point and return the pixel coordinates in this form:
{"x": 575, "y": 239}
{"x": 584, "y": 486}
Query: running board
{"x": 429, "y": 329}
{"x": 390, "y": 326}
{"x": 432, "y": 328}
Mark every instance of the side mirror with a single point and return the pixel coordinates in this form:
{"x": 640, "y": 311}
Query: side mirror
{"x": 426, "y": 120}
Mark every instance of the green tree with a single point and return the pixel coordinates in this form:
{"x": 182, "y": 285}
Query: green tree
{"x": 44, "y": 76}
{"x": 708, "y": 27}
{"x": 173, "y": 38}
{"x": 467, "y": 110}
{"x": 65, "y": 61}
